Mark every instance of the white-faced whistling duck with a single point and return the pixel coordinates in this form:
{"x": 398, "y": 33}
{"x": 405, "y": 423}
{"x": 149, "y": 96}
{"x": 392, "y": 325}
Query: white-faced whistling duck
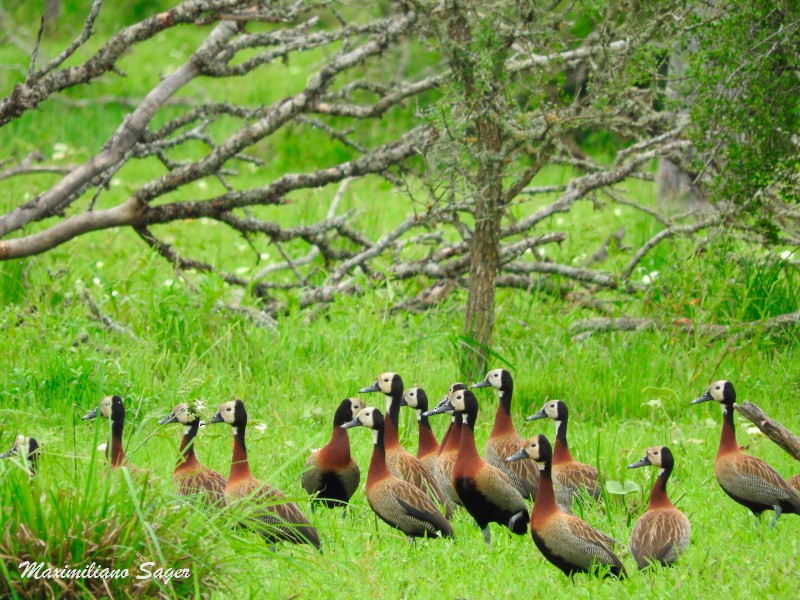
{"x": 448, "y": 451}
{"x": 569, "y": 475}
{"x": 748, "y": 480}
{"x": 331, "y": 475}
{"x": 504, "y": 439}
{"x": 282, "y": 520}
{"x": 485, "y": 491}
{"x": 401, "y": 463}
{"x": 427, "y": 445}
{"x": 662, "y": 533}
{"x": 397, "y": 502}
{"x": 569, "y": 543}
{"x": 190, "y": 476}
{"x": 27, "y": 448}
{"x": 113, "y": 409}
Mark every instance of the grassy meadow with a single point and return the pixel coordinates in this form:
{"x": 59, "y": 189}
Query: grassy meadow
{"x": 625, "y": 391}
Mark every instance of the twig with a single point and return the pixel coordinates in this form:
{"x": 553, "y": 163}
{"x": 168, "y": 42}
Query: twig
{"x": 105, "y": 319}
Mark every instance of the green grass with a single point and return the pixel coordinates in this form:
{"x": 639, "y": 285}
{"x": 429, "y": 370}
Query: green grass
{"x": 293, "y": 379}
{"x": 58, "y": 361}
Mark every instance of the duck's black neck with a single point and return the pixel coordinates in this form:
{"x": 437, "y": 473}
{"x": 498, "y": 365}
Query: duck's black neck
{"x": 187, "y": 441}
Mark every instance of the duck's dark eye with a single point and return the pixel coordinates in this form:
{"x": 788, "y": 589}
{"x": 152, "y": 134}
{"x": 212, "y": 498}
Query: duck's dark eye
{"x": 229, "y": 409}
{"x": 716, "y": 388}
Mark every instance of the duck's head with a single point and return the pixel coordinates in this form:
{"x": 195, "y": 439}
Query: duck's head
{"x": 24, "y": 446}
{"x": 416, "y": 398}
{"x": 111, "y": 407}
{"x": 499, "y": 379}
{"x": 538, "y": 448}
{"x": 722, "y": 391}
{"x": 185, "y": 413}
{"x": 552, "y": 409}
{"x": 657, "y": 456}
{"x": 232, "y": 412}
{"x": 348, "y": 409}
{"x": 369, "y": 417}
{"x": 388, "y": 383}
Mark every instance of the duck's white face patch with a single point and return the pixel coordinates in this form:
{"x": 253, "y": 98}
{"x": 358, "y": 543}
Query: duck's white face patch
{"x": 551, "y": 410}
{"x": 355, "y": 406}
{"x": 365, "y": 417}
{"x": 228, "y": 412}
{"x": 495, "y": 377}
{"x": 385, "y": 382}
{"x": 105, "y": 407}
{"x": 182, "y": 413}
{"x": 717, "y": 390}
{"x": 411, "y": 398}
{"x": 457, "y": 400}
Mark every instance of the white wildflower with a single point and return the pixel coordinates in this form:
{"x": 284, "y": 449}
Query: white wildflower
{"x": 102, "y": 447}
{"x": 168, "y": 282}
{"x": 754, "y": 431}
{"x": 617, "y": 212}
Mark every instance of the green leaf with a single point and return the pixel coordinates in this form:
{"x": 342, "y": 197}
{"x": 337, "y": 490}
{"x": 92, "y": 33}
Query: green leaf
{"x": 620, "y": 488}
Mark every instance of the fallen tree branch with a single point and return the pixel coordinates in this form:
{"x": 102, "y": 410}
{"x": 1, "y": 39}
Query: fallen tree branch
{"x": 771, "y": 428}
{"x": 710, "y": 331}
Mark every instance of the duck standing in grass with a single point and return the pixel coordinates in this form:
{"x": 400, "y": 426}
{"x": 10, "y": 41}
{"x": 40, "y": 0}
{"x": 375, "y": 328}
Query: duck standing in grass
{"x": 190, "y": 476}
{"x": 748, "y": 480}
{"x": 331, "y": 475}
{"x": 113, "y": 409}
{"x": 402, "y": 463}
{"x": 27, "y": 448}
{"x": 569, "y": 543}
{"x": 448, "y": 451}
{"x": 569, "y": 475}
{"x": 504, "y": 439}
{"x": 427, "y": 444}
{"x": 485, "y": 491}
{"x": 269, "y": 513}
{"x": 397, "y": 502}
{"x": 662, "y": 533}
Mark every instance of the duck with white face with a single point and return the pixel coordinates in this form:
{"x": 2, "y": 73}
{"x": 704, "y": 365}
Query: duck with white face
{"x": 504, "y": 439}
{"x": 566, "y": 541}
{"x": 113, "y": 409}
{"x": 746, "y": 479}
{"x": 448, "y": 451}
{"x": 427, "y": 445}
{"x": 570, "y": 477}
{"x": 402, "y": 463}
{"x": 485, "y": 491}
{"x": 395, "y": 501}
{"x": 192, "y": 478}
{"x": 330, "y": 475}
{"x": 27, "y": 449}
{"x": 263, "y": 507}
{"x": 662, "y": 533}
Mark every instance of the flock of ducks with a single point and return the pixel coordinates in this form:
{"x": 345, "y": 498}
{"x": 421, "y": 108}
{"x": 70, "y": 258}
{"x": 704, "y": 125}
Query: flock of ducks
{"x": 419, "y": 494}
